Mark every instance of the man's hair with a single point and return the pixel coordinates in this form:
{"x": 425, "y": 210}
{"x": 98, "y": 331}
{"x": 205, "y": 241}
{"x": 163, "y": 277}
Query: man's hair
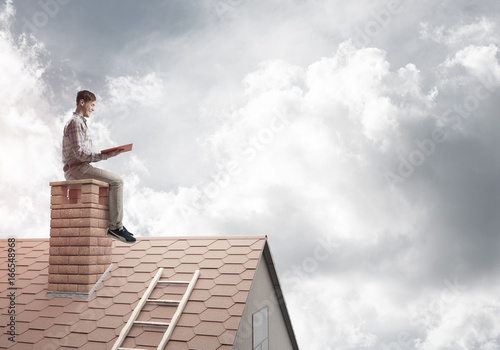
{"x": 84, "y": 95}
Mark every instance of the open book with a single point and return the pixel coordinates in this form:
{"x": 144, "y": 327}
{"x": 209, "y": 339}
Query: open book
{"x": 124, "y": 148}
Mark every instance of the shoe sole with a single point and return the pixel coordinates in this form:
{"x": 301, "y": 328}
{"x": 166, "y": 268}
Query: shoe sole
{"x": 119, "y": 238}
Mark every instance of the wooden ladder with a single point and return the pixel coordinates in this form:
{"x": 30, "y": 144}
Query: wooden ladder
{"x": 145, "y": 299}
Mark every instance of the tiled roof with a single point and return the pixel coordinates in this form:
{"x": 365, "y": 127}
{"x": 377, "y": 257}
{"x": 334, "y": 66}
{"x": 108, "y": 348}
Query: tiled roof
{"x": 209, "y": 321}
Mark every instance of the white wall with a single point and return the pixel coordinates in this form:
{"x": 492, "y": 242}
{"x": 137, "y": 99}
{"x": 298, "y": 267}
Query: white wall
{"x": 261, "y": 295}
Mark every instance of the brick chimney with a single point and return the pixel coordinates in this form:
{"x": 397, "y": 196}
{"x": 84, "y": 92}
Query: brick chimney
{"x": 80, "y": 251}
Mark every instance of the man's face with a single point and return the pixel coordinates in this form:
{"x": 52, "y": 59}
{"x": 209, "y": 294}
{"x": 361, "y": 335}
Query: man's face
{"x": 87, "y": 108}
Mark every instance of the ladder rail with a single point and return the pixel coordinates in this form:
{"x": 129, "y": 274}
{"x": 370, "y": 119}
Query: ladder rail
{"x": 151, "y": 323}
{"x": 178, "y": 312}
{"x": 164, "y": 301}
{"x": 137, "y": 310}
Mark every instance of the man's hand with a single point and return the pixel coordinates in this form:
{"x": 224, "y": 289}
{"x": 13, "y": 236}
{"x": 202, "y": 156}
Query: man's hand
{"x": 114, "y": 153}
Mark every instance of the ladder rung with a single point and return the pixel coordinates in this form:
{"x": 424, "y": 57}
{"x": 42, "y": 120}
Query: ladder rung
{"x": 174, "y": 282}
{"x": 165, "y": 301}
{"x": 153, "y": 323}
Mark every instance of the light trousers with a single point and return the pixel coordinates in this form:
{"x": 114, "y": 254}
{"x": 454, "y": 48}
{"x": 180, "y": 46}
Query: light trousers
{"x": 115, "y": 202}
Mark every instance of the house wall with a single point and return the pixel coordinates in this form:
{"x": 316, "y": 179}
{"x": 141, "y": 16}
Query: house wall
{"x": 261, "y": 295}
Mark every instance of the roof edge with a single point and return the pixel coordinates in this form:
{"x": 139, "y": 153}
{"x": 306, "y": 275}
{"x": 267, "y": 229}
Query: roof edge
{"x": 279, "y": 294}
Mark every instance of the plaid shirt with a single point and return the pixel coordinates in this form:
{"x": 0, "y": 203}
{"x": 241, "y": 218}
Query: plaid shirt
{"x": 77, "y": 144}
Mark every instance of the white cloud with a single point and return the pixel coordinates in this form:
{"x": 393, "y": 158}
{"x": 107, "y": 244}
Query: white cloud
{"x": 27, "y": 136}
{"x": 465, "y": 320}
{"x": 481, "y": 31}
{"x": 479, "y": 61}
{"x": 130, "y": 91}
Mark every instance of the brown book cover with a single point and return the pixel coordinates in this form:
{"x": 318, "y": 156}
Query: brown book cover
{"x": 124, "y": 148}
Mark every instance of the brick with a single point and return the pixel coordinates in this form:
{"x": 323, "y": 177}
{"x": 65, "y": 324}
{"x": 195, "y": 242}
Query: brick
{"x": 58, "y": 200}
{"x": 54, "y": 232}
{"x": 108, "y": 250}
{"x": 55, "y": 213}
{"x": 70, "y": 213}
{"x": 82, "y": 279}
{"x": 98, "y": 250}
{"x": 91, "y": 250}
{"x": 59, "y": 223}
{"x": 90, "y": 269}
{"x": 83, "y": 241}
{"x": 105, "y": 242}
{"x": 58, "y": 260}
{"x": 58, "y": 241}
{"x": 59, "y": 191}
{"x": 75, "y": 192}
{"x": 90, "y": 198}
{"x": 90, "y": 188}
{"x": 100, "y": 269}
{"x": 69, "y": 232}
{"x": 69, "y": 269}
{"x": 92, "y": 232}
{"x": 102, "y": 223}
{"x": 79, "y": 222}
{"x": 84, "y": 288}
{"x": 69, "y": 288}
{"x": 93, "y": 213}
{"x": 103, "y": 191}
{"x": 53, "y": 278}
{"x": 104, "y": 259}
{"x": 68, "y": 250}
{"x": 53, "y": 269}
{"x": 103, "y": 200}
{"x": 83, "y": 260}
{"x": 52, "y": 287}
{"x": 53, "y": 251}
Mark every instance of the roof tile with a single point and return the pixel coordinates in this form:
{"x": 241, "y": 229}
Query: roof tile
{"x": 101, "y": 335}
{"x": 217, "y": 302}
{"x": 232, "y": 268}
{"x": 211, "y": 263}
{"x": 92, "y": 314}
{"x": 236, "y": 309}
{"x": 216, "y": 315}
{"x": 240, "y": 297}
{"x": 32, "y": 336}
{"x": 110, "y": 322}
{"x": 232, "y": 323}
{"x": 188, "y": 320}
{"x": 224, "y": 290}
{"x": 205, "y": 283}
{"x": 149, "y": 338}
{"x": 215, "y": 254}
{"x": 194, "y": 307}
{"x": 193, "y": 250}
{"x": 219, "y": 245}
{"x": 56, "y": 331}
{"x": 41, "y": 323}
{"x": 183, "y": 333}
{"x": 204, "y": 342}
{"x": 84, "y": 326}
{"x": 178, "y": 245}
{"x": 72, "y": 340}
{"x": 67, "y": 319}
{"x": 228, "y": 279}
{"x": 228, "y": 337}
{"x": 209, "y": 328}
{"x": 176, "y": 345}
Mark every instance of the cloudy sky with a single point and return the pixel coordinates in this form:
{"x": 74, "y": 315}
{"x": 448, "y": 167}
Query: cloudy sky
{"x": 359, "y": 136}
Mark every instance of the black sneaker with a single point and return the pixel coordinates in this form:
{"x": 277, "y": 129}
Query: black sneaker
{"x": 122, "y": 235}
